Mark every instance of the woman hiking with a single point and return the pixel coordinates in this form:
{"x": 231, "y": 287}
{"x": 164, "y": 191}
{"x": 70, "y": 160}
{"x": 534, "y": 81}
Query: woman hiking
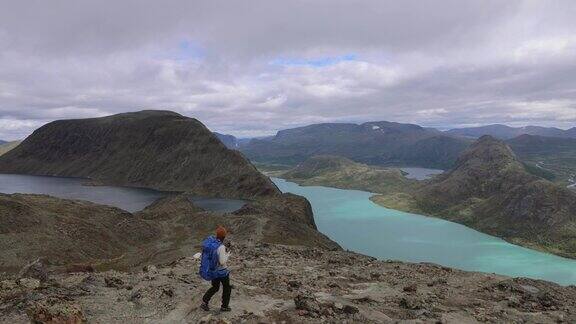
{"x": 213, "y": 268}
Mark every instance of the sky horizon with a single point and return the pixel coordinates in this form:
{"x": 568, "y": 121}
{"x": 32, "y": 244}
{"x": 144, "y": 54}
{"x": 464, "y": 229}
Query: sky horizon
{"x": 254, "y": 67}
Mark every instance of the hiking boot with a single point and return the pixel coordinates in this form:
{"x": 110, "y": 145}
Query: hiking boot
{"x": 225, "y": 309}
{"x": 205, "y": 306}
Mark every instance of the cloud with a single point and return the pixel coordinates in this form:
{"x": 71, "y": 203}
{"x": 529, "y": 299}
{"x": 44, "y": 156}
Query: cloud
{"x": 253, "y": 67}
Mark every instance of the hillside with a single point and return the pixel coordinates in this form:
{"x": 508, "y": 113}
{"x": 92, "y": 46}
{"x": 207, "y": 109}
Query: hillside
{"x": 374, "y": 143}
{"x": 507, "y": 132}
{"x": 552, "y": 154}
{"x": 344, "y": 173}
{"x": 7, "y": 146}
{"x": 490, "y": 190}
{"x": 66, "y": 233}
{"x": 152, "y": 149}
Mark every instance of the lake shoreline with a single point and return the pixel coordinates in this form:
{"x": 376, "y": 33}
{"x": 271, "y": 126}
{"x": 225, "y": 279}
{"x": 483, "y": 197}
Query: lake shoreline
{"x": 520, "y": 257}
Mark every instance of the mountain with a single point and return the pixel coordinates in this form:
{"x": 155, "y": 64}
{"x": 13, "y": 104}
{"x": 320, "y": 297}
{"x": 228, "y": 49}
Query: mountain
{"x": 507, "y": 132}
{"x": 7, "y": 146}
{"x": 3, "y": 142}
{"x": 230, "y": 141}
{"x": 153, "y": 149}
{"x": 376, "y": 143}
{"x": 548, "y": 154}
{"x": 339, "y": 172}
{"x": 490, "y": 190}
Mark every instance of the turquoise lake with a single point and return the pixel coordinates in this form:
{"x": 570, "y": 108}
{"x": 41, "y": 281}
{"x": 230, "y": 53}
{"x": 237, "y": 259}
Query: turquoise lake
{"x": 357, "y": 224}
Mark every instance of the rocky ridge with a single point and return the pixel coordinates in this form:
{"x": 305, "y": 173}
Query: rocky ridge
{"x": 71, "y": 233}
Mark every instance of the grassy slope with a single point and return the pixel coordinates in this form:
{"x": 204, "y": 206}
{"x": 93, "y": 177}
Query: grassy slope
{"x": 4, "y": 148}
{"x": 343, "y": 173}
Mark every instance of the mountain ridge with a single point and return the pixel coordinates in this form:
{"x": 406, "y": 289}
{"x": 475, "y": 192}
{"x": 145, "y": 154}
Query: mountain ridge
{"x": 508, "y": 132}
{"x": 153, "y": 149}
{"x": 377, "y": 143}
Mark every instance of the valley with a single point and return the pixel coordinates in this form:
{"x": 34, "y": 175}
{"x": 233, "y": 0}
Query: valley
{"x": 489, "y": 189}
{"x": 130, "y": 232}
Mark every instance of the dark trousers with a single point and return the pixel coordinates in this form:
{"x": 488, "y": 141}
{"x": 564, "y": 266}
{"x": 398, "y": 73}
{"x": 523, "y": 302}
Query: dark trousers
{"x": 226, "y": 291}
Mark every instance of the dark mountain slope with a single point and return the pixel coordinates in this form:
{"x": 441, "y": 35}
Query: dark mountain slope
{"x": 154, "y": 149}
{"x": 549, "y": 154}
{"x": 230, "y": 141}
{"x": 507, "y": 132}
{"x": 379, "y": 143}
{"x": 490, "y": 190}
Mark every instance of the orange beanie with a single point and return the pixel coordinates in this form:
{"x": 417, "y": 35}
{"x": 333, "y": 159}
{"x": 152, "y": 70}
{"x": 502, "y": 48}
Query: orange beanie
{"x": 220, "y": 233}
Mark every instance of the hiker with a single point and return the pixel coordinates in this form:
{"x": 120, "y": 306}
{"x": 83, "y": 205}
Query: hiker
{"x": 213, "y": 268}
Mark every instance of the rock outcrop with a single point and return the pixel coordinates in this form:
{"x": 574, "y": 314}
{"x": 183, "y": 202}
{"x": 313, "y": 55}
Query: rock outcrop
{"x": 153, "y": 149}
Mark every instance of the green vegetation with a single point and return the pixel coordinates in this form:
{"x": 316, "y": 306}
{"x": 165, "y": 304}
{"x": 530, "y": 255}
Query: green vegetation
{"x": 343, "y": 173}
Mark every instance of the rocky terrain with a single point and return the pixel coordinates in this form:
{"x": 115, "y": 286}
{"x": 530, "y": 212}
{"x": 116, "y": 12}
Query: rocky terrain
{"x": 339, "y": 172}
{"x": 286, "y": 284}
{"x": 375, "y": 143}
{"x": 71, "y": 233}
{"x": 490, "y": 190}
{"x": 152, "y": 149}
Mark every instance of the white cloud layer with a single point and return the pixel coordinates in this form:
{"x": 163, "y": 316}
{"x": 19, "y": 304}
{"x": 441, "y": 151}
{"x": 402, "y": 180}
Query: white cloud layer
{"x": 255, "y": 66}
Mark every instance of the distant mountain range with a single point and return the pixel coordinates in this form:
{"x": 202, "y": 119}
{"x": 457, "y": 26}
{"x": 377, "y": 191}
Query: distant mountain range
{"x": 3, "y": 142}
{"x": 376, "y": 143}
{"x": 507, "y": 132}
{"x": 233, "y": 142}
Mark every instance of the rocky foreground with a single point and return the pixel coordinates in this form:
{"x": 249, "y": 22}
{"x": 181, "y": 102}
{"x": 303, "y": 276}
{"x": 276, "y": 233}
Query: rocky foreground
{"x": 285, "y": 284}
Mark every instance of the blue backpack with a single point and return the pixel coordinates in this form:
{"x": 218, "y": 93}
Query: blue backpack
{"x": 209, "y": 261}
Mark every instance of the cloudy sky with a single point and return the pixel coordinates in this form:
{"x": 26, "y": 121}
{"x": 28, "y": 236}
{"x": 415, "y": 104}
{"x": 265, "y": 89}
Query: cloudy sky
{"x": 252, "y": 67}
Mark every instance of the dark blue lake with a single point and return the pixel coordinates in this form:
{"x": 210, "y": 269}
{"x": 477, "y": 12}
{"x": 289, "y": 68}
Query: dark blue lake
{"x": 129, "y": 199}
